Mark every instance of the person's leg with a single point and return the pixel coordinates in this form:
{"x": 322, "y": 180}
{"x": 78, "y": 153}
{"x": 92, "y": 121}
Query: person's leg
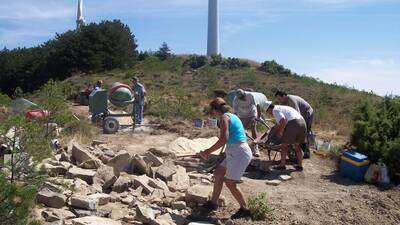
{"x": 284, "y": 152}
{"x": 299, "y": 154}
{"x": 237, "y": 194}
{"x": 141, "y": 113}
{"x": 219, "y": 175}
{"x": 253, "y": 127}
{"x": 138, "y": 109}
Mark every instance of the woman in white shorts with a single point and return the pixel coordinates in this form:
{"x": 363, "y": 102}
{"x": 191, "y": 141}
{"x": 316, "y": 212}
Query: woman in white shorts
{"x": 238, "y": 157}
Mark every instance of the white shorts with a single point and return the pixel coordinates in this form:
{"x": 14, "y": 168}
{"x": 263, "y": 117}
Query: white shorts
{"x": 238, "y": 157}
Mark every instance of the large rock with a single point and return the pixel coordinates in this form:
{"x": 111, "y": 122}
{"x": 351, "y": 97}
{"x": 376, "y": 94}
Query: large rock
{"x": 161, "y": 152}
{"x": 91, "y": 164}
{"x": 81, "y": 187}
{"x": 101, "y": 198}
{"x": 166, "y": 171}
{"x": 179, "y": 205}
{"x": 118, "y": 210}
{"x": 105, "y": 176}
{"x": 164, "y": 219}
{"x": 85, "y": 212}
{"x": 51, "y": 199}
{"x": 142, "y": 181}
{"x": 84, "y": 202}
{"x": 84, "y": 158}
{"x": 94, "y": 220}
{"x": 52, "y": 215}
{"x": 197, "y": 194}
{"x": 144, "y": 214}
{"x": 158, "y": 184}
{"x": 86, "y": 175}
{"x": 180, "y": 180}
{"x": 153, "y": 160}
{"x": 121, "y": 162}
{"x": 54, "y": 171}
{"x": 139, "y": 166}
{"x": 122, "y": 184}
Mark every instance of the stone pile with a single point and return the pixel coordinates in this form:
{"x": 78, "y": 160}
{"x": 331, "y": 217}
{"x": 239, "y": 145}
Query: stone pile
{"x": 94, "y": 185}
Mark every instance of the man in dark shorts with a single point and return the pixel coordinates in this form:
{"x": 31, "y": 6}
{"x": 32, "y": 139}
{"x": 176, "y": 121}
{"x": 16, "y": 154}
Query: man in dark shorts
{"x": 292, "y": 130}
{"x": 304, "y": 108}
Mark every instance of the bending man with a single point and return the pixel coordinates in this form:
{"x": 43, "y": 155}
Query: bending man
{"x": 291, "y": 129}
{"x": 304, "y": 108}
{"x": 248, "y": 106}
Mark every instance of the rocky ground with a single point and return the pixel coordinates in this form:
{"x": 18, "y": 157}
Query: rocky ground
{"x": 133, "y": 178}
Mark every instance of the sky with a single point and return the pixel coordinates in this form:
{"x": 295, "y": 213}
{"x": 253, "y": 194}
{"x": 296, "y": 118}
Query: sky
{"x": 351, "y": 42}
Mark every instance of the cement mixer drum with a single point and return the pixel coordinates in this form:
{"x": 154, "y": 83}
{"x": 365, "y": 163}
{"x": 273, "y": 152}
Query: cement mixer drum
{"x": 120, "y": 95}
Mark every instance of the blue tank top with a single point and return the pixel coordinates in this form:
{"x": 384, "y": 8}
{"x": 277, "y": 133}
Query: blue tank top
{"x": 236, "y": 129}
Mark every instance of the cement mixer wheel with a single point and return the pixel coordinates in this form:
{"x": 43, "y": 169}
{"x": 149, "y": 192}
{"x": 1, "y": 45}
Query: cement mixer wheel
{"x": 110, "y": 125}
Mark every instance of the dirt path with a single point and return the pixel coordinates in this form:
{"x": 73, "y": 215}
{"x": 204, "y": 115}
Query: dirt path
{"x": 320, "y": 196}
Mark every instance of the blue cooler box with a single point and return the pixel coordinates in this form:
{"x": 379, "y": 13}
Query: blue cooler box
{"x": 354, "y": 165}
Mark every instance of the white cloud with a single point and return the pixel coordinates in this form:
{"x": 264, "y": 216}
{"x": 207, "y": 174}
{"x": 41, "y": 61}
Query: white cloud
{"x": 381, "y": 75}
{"x": 41, "y": 10}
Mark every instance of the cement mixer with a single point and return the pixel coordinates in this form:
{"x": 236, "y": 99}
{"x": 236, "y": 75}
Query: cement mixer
{"x": 120, "y": 95}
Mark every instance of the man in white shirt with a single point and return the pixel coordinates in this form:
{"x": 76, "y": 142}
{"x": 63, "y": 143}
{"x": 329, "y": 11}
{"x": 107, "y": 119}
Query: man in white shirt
{"x": 248, "y": 107}
{"x": 292, "y": 130}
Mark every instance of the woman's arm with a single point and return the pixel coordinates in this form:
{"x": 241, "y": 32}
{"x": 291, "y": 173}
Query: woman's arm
{"x": 223, "y": 137}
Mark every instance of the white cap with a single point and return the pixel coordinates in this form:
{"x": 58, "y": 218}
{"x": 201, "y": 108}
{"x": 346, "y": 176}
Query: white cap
{"x": 240, "y": 93}
{"x": 268, "y": 103}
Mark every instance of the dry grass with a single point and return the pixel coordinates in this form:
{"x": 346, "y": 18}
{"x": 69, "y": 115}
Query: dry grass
{"x": 333, "y": 104}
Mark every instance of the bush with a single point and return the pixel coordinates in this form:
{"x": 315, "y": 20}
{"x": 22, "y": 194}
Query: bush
{"x": 216, "y": 60}
{"x": 164, "y": 52}
{"x": 94, "y": 47}
{"x": 15, "y": 202}
{"x": 235, "y": 63}
{"x": 195, "y": 61}
{"x": 272, "y": 67}
{"x": 376, "y": 132}
{"x": 258, "y": 206}
{"x": 4, "y": 100}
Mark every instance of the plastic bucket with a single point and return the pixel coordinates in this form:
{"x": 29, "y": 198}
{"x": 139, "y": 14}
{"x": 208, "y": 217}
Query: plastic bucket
{"x": 212, "y": 122}
{"x": 198, "y": 123}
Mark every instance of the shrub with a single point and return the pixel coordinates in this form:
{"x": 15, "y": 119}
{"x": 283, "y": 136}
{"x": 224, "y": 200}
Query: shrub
{"x": 235, "y": 63}
{"x": 272, "y": 67}
{"x": 216, "y": 60}
{"x": 195, "y": 61}
{"x": 376, "y": 132}
{"x": 15, "y": 202}
{"x": 259, "y": 207}
{"x": 4, "y": 100}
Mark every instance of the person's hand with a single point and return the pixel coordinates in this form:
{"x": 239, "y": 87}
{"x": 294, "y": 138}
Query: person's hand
{"x": 280, "y": 133}
{"x": 203, "y": 155}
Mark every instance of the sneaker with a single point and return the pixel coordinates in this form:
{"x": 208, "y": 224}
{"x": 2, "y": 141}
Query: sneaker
{"x": 210, "y": 206}
{"x": 241, "y": 213}
{"x": 279, "y": 167}
{"x": 299, "y": 168}
{"x": 306, "y": 155}
{"x": 256, "y": 151}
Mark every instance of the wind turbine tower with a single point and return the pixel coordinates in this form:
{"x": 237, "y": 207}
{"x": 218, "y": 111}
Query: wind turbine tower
{"x": 80, "y": 21}
{"x": 213, "y": 28}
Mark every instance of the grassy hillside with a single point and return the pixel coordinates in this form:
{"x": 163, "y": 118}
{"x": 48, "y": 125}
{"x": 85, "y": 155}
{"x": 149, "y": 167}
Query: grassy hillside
{"x": 176, "y": 90}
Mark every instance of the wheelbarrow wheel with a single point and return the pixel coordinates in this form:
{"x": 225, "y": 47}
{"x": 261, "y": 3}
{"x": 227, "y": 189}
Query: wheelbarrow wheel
{"x": 110, "y": 125}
